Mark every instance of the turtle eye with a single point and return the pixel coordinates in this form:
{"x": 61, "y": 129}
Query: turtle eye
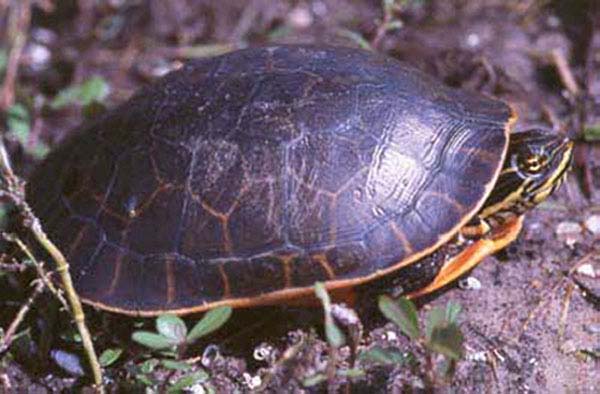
{"x": 533, "y": 163}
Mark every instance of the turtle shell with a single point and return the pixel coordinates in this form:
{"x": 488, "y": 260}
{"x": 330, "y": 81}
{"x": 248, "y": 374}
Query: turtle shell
{"x": 244, "y": 178}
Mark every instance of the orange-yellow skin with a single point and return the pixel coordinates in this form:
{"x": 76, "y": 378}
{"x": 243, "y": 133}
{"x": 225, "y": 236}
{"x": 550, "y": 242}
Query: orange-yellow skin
{"x": 472, "y": 255}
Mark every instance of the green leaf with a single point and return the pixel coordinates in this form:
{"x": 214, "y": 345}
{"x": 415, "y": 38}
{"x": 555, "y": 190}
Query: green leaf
{"x": 40, "y": 150}
{"x": 394, "y": 25}
{"x": 357, "y": 38}
{"x": 187, "y": 381}
{"x": 314, "y": 380}
{"x": 334, "y": 335}
{"x": 452, "y": 312}
{"x": 176, "y": 365}
{"x": 146, "y": 381}
{"x": 379, "y": 355}
{"x": 148, "y": 365}
{"x": 3, "y": 60}
{"x": 109, "y": 356}
{"x": 592, "y": 133}
{"x": 18, "y": 121}
{"x": 388, "y": 5}
{"x": 435, "y": 318}
{"x": 94, "y": 89}
{"x": 211, "y": 321}
{"x": 403, "y": 313}
{"x": 206, "y": 50}
{"x": 171, "y": 327}
{"x": 152, "y": 340}
{"x": 351, "y": 373}
{"x": 447, "y": 340}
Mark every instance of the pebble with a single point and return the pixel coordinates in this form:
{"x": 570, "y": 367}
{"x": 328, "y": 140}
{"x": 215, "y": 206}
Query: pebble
{"x": 592, "y": 328}
{"x": 390, "y": 336}
{"x": 252, "y": 381}
{"x": 567, "y": 228}
{"x": 592, "y": 223}
{"x": 300, "y": 17}
{"x": 478, "y": 356}
{"x": 473, "y": 40}
{"x": 469, "y": 283}
{"x": 197, "y": 389}
{"x": 68, "y": 362}
{"x": 262, "y": 352}
{"x": 569, "y": 232}
{"x": 587, "y": 270}
{"x": 38, "y": 55}
{"x": 210, "y": 354}
{"x": 568, "y": 346}
{"x": 345, "y": 315}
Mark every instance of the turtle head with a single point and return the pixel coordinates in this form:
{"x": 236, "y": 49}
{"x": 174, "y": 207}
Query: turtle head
{"x": 535, "y": 165}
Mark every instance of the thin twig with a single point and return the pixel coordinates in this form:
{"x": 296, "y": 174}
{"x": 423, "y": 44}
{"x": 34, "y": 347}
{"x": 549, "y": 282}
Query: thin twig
{"x": 11, "y": 267}
{"x": 39, "y": 266}
{"x": 565, "y": 311}
{"x": 18, "y": 26}
{"x": 564, "y": 72}
{"x": 14, "y": 325}
{"x": 13, "y": 189}
{"x": 386, "y": 24}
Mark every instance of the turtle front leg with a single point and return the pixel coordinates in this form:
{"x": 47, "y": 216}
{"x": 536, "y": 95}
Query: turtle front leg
{"x": 472, "y": 255}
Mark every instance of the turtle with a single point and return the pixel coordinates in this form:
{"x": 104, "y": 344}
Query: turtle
{"x": 244, "y": 178}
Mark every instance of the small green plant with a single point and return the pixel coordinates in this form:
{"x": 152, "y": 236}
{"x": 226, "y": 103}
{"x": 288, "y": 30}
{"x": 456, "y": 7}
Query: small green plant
{"x": 442, "y": 334}
{"x": 90, "y": 91}
{"x": 173, "y": 334}
{"x": 591, "y": 133}
{"x": 171, "y": 341}
{"x": 109, "y": 357}
{"x": 18, "y": 122}
{"x": 334, "y": 335}
{"x": 3, "y": 60}
{"x": 335, "y": 339}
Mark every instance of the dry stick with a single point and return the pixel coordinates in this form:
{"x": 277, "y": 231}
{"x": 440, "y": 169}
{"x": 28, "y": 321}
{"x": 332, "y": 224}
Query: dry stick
{"x": 11, "y": 267}
{"x": 12, "y": 328}
{"x": 14, "y": 190}
{"x": 382, "y": 28}
{"x": 19, "y": 22}
{"x": 565, "y": 311}
{"x": 40, "y": 270}
{"x": 564, "y": 72}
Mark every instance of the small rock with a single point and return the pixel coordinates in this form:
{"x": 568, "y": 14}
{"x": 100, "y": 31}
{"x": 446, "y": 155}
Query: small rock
{"x": 345, "y": 315}
{"x": 68, "y": 362}
{"x": 569, "y": 232}
{"x": 197, "y": 389}
{"x": 263, "y": 352}
{"x": 469, "y": 283}
{"x": 300, "y": 18}
{"x": 592, "y": 223}
{"x": 38, "y": 56}
{"x": 587, "y": 270}
{"x": 566, "y": 228}
{"x": 592, "y": 328}
{"x": 473, "y": 40}
{"x": 478, "y": 356}
{"x": 390, "y": 336}
{"x": 210, "y": 354}
{"x": 568, "y": 346}
{"x": 252, "y": 381}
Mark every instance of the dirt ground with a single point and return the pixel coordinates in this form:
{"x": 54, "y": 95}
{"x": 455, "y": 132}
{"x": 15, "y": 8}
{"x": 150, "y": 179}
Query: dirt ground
{"x": 530, "y": 316}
